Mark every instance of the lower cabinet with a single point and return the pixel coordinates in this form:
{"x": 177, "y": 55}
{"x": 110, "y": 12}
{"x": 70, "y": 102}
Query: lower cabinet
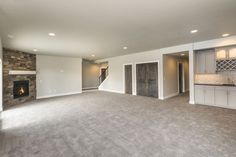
{"x": 209, "y": 97}
{"x": 199, "y": 94}
{"x": 232, "y": 97}
{"x": 221, "y": 96}
{"x": 204, "y": 95}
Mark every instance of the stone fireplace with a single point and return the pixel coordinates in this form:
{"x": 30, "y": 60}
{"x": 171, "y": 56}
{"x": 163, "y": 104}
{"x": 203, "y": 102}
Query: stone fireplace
{"x": 18, "y": 87}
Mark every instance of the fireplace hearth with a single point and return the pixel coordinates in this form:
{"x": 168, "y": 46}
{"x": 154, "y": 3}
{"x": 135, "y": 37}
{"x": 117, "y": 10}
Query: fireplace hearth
{"x": 21, "y": 89}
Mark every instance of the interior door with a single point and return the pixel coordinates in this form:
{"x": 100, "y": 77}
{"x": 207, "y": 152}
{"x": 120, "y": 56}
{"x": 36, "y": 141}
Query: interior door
{"x": 152, "y": 80}
{"x": 180, "y": 78}
{"x": 141, "y": 79}
{"x": 147, "y": 79}
{"x": 128, "y": 79}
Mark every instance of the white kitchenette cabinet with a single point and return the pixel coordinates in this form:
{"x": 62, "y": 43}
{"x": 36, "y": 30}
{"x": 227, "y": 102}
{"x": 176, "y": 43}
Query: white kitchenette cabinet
{"x": 205, "y": 62}
{"x": 209, "y": 97}
{"x": 199, "y": 94}
{"x": 221, "y": 96}
{"x": 210, "y": 65}
{"x": 204, "y": 94}
{"x": 200, "y": 62}
{"x": 232, "y": 97}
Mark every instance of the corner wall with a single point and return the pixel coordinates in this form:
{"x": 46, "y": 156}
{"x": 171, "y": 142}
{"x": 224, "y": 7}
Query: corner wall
{"x": 57, "y": 76}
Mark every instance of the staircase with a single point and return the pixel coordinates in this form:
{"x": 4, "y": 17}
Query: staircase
{"x": 104, "y": 74}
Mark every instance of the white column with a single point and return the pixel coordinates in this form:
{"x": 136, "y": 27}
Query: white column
{"x": 191, "y": 76}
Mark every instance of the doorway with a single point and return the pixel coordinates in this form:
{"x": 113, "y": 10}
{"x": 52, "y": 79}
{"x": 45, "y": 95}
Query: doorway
{"x": 128, "y": 79}
{"x": 147, "y": 79}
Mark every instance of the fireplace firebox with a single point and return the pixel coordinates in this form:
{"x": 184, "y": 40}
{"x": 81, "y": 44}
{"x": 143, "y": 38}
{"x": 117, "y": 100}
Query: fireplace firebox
{"x": 21, "y": 89}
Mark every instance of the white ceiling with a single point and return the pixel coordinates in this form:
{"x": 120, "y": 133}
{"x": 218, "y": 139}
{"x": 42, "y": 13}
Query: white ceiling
{"x": 104, "y": 27}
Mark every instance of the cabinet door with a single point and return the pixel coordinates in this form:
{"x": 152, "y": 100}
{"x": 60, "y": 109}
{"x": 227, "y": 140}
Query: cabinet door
{"x": 200, "y": 62}
{"x": 210, "y": 65}
{"x": 199, "y": 94}
{"x": 221, "y": 54}
{"x": 221, "y": 96}
{"x": 141, "y": 73}
{"x": 152, "y": 79}
{"x": 209, "y": 96}
{"x": 232, "y": 97}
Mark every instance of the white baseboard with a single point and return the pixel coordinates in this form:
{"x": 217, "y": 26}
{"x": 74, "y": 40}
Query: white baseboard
{"x": 57, "y": 95}
{"x": 171, "y": 95}
{"x": 113, "y": 91}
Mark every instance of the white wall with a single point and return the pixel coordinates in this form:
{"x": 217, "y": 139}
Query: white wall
{"x": 90, "y": 74}
{"x": 170, "y": 76}
{"x": 115, "y": 82}
{"x": 1, "y": 101}
{"x": 58, "y": 76}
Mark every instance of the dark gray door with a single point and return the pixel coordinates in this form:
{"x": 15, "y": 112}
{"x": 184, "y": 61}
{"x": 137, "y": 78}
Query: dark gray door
{"x": 141, "y": 79}
{"x": 180, "y": 78}
{"x": 147, "y": 79}
{"x": 128, "y": 79}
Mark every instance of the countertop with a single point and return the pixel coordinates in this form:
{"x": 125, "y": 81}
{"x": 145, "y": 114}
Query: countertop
{"x": 226, "y": 85}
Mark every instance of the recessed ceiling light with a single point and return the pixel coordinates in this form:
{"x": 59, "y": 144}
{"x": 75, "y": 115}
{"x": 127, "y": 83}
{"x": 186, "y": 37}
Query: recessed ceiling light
{"x": 182, "y": 54}
{"x": 51, "y": 34}
{"x": 10, "y": 36}
{"x": 194, "y": 31}
{"x": 125, "y": 48}
{"x": 35, "y": 50}
{"x": 225, "y": 35}
{"x": 93, "y": 55}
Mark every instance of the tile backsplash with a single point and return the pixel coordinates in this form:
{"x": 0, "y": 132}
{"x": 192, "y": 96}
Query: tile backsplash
{"x": 219, "y": 78}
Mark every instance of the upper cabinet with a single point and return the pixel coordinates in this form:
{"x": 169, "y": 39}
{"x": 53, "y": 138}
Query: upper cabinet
{"x": 205, "y": 62}
{"x": 232, "y": 53}
{"x": 225, "y": 53}
{"x": 225, "y": 59}
{"x": 221, "y": 54}
{"x": 215, "y": 60}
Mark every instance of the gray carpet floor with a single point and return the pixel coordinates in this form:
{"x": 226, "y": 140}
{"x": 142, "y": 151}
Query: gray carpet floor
{"x": 102, "y": 124}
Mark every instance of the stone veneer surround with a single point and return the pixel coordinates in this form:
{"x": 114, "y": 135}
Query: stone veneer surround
{"x": 17, "y": 60}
